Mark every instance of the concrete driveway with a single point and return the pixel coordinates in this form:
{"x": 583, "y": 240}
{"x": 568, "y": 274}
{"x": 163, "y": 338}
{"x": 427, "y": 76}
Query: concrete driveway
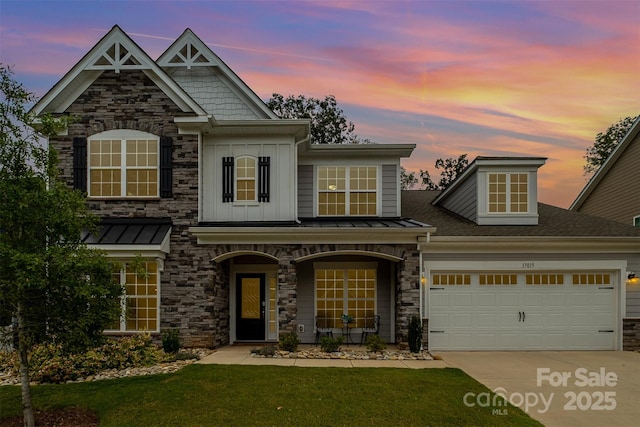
{"x": 559, "y": 388}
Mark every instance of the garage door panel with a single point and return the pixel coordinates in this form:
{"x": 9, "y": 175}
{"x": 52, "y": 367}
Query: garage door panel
{"x": 462, "y": 320}
{"x": 486, "y": 299}
{"x": 485, "y": 320}
{"x": 508, "y": 299}
{"x": 518, "y": 316}
{"x": 463, "y": 299}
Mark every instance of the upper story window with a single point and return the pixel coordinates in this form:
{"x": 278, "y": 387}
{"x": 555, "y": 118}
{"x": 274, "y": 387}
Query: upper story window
{"x": 346, "y": 190}
{"x": 508, "y": 192}
{"x": 246, "y": 179}
{"x": 636, "y": 221}
{"x": 122, "y": 165}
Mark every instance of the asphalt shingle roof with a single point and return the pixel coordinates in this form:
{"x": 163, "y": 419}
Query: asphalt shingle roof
{"x": 552, "y": 221}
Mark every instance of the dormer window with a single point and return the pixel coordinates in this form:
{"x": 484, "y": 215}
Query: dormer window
{"x": 346, "y": 190}
{"x": 508, "y": 193}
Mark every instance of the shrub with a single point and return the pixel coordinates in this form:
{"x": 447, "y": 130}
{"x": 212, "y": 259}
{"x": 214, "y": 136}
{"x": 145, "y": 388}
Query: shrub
{"x": 48, "y": 363}
{"x": 269, "y": 350}
{"x": 289, "y": 342}
{"x": 331, "y": 345}
{"x": 171, "y": 340}
{"x": 415, "y": 334}
{"x": 375, "y": 343}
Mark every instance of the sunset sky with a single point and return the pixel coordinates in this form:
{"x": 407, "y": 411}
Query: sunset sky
{"x": 507, "y": 78}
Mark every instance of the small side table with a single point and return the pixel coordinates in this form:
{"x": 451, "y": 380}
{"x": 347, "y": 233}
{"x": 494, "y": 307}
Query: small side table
{"x": 346, "y": 332}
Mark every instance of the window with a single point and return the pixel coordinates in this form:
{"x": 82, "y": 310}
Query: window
{"x": 636, "y": 221}
{"x": 347, "y": 190}
{"x": 123, "y": 166}
{"x": 140, "y": 304}
{"x": 498, "y": 279}
{"x": 450, "y": 279}
{"x": 592, "y": 279}
{"x": 346, "y": 291}
{"x": 508, "y": 192}
{"x": 246, "y": 179}
{"x": 545, "y": 279}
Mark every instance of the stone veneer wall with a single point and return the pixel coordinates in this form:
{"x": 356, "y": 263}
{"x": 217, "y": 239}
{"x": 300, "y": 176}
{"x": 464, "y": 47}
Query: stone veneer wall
{"x": 631, "y": 334}
{"x": 407, "y": 293}
{"x": 194, "y": 292}
{"x": 408, "y": 298}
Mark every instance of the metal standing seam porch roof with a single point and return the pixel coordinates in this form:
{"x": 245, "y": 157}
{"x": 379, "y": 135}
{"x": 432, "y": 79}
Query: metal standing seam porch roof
{"x": 130, "y": 231}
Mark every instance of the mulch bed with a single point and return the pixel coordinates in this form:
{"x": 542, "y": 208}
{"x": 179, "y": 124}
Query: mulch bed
{"x": 63, "y": 417}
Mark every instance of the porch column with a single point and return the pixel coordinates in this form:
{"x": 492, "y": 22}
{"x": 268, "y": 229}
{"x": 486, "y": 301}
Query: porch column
{"x": 287, "y": 295}
{"x": 407, "y": 294}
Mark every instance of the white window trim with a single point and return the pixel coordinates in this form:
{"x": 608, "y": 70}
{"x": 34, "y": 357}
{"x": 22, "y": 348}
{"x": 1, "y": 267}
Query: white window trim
{"x": 343, "y": 266}
{"x": 253, "y": 202}
{"x": 123, "y": 135}
{"x": 123, "y": 302}
{"x": 347, "y": 189}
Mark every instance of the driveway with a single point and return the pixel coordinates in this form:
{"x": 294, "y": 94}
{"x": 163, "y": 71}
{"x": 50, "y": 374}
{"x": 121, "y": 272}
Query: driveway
{"x": 559, "y": 388}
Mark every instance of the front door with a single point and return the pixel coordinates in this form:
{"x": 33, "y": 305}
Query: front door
{"x": 250, "y": 307}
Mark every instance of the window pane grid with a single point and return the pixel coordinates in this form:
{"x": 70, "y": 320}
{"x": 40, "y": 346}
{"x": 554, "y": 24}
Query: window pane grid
{"x": 137, "y": 176}
{"x": 508, "y": 192}
{"x": 246, "y": 179}
{"x": 451, "y": 279}
{"x": 591, "y": 279}
{"x": 353, "y": 289}
{"x": 347, "y": 191}
{"x": 544, "y": 279}
{"x": 140, "y": 308}
{"x": 498, "y": 279}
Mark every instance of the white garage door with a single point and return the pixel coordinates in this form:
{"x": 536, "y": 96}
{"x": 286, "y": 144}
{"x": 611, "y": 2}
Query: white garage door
{"x": 522, "y": 311}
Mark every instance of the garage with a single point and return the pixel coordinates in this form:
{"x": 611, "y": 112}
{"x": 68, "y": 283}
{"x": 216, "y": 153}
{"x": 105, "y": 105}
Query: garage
{"x": 522, "y": 310}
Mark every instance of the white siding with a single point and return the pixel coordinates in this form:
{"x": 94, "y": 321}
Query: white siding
{"x": 281, "y": 204}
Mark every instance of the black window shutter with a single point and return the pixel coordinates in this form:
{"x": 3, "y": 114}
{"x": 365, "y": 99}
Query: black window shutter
{"x": 166, "y": 163}
{"x": 80, "y": 164}
{"x": 227, "y": 179}
{"x": 264, "y": 178}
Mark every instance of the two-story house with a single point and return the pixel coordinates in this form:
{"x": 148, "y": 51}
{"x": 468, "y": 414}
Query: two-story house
{"x": 247, "y": 231}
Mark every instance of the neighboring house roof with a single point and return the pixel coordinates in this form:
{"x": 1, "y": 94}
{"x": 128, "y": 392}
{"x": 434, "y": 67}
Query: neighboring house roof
{"x": 608, "y": 165}
{"x": 210, "y": 81}
{"x": 553, "y": 221}
{"x": 116, "y": 51}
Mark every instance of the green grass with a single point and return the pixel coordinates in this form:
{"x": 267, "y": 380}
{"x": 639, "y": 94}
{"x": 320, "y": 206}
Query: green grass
{"x": 207, "y": 395}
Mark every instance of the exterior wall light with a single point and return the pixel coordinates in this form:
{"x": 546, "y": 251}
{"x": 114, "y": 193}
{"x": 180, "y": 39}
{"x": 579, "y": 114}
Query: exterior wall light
{"x": 632, "y": 279}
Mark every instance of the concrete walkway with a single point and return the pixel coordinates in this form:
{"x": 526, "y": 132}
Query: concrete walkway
{"x": 560, "y": 388}
{"x": 241, "y": 355}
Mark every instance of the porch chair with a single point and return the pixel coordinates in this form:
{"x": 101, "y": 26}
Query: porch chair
{"x": 371, "y": 326}
{"x": 324, "y": 325}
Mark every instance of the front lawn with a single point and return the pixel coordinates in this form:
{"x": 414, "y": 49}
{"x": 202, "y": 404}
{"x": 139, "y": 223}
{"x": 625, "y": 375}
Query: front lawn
{"x": 207, "y": 395}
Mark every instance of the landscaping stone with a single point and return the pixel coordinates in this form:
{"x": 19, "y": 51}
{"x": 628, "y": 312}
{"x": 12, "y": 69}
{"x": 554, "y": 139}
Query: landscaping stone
{"x": 349, "y": 354}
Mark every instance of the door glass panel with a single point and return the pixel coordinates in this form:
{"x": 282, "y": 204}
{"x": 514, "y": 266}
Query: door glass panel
{"x": 250, "y": 298}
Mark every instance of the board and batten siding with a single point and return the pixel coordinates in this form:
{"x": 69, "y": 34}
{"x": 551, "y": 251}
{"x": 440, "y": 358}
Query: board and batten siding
{"x": 464, "y": 201}
{"x": 390, "y": 203}
{"x": 305, "y": 191}
{"x": 281, "y": 200}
